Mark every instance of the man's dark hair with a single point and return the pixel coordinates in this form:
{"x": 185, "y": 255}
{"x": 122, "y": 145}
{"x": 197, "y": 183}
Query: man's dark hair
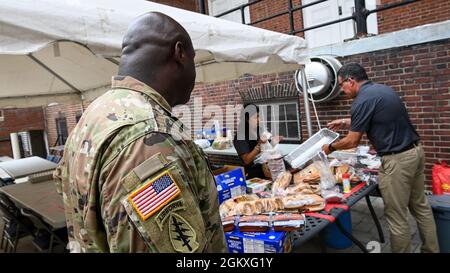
{"x": 243, "y": 132}
{"x": 354, "y": 71}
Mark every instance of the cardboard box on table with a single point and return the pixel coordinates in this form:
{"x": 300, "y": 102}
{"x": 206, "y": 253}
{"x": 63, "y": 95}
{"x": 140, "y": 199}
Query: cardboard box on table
{"x": 230, "y": 182}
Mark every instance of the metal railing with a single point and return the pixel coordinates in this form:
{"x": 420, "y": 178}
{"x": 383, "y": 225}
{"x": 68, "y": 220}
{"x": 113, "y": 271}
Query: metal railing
{"x": 359, "y": 15}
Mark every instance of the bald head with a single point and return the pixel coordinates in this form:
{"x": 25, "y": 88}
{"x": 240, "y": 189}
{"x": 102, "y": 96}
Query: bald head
{"x": 158, "y": 51}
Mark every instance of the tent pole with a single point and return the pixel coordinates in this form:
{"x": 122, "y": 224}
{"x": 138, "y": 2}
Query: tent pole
{"x": 54, "y": 73}
{"x": 112, "y": 60}
{"x": 15, "y": 145}
{"x": 41, "y": 64}
{"x": 306, "y": 101}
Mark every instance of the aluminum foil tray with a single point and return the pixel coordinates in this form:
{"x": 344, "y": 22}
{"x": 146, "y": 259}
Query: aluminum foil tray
{"x": 311, "y": 147}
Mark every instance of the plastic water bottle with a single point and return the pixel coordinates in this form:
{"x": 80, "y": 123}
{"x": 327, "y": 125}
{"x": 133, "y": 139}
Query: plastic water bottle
{"x": 346, "y": 182}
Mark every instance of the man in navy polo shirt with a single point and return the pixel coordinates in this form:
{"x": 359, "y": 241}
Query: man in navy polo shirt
{"x": 379, "y": 112}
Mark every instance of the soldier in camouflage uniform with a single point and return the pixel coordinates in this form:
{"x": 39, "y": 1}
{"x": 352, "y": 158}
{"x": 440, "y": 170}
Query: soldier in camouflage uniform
{"x": 131, "y": 178}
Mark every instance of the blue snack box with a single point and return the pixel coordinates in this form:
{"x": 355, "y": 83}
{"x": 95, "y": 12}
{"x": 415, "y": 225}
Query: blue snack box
{"x": 258, "y": 242}
{"x": 230, "y": 182}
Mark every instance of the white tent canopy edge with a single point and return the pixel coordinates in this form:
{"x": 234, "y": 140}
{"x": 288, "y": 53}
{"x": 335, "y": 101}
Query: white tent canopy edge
{"x": 65, "y": 51}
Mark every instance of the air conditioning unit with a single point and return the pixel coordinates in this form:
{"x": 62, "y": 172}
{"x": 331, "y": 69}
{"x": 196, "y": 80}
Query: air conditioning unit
{"x": 321, "y": 75}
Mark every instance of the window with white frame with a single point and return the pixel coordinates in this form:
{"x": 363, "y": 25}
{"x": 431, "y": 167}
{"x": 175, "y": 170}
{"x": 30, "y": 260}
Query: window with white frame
{"x": 281, "y": 118}
{"x": 327, "y": 11}
{"x": 2, "y": 117}
{"x": 217, "y": 7}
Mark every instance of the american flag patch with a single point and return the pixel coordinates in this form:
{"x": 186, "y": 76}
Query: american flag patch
{"x": 155, "y": 194}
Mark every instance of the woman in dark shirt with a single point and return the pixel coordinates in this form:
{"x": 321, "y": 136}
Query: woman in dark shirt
{"x": 248, "y": 141}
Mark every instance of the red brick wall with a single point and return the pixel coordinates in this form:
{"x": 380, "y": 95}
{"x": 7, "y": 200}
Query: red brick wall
{"x": 411, "y": 15}
{"x": 224, "y": 160}
{"x": 265, "y": 9}
{"x": 416, "y": 14}
{"x": 5, "y": 147}
{"x": 182, "y": 4}
{"x": 226, "y": 93}
{"x": 18, "y": 120}
{"x": 52, "y": 112}
{"x": 420, "y": 74}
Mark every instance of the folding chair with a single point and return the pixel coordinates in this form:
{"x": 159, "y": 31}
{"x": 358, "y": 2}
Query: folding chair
{"x": 15, "y": 227}
{"x": 6, "y": 181}
{"x": 44, "y": 232}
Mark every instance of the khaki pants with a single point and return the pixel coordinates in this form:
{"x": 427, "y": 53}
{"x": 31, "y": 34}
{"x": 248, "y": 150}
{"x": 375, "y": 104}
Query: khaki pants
{"x": 402, "y": 188}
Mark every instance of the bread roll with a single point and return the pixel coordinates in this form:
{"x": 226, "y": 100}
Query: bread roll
{"x": 279, "y": 203}
{"x": 227, "y": 208}
{"x": 315, "y": 188}
{"x": 318, "y": 204}
{"x": 297, "y": 188}
{"x": 299, "y": 201}
{"x": 268, "y": 206}
{"x": 316, "y": 207}
{"x": 309, "y": 174}
{"x": 228, "y": 223}
{"x": 248, "y": 208}
{"x": 257, "y": 223}
{"x": 281, "y": 183}
{"x": 288, "y": 221}
{"x": 245, "y": 198}
{"x": 259, "y": 206}
{"x": 340, "y": 170}
{"x": 296, "y": 201}
{"x": 306, "y": 191}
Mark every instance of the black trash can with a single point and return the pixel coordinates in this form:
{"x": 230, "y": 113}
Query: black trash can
{"x": 441, "y": 211}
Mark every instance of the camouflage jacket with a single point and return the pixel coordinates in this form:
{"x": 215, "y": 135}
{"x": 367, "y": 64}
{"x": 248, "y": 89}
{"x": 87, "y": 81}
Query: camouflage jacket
{"x": 133, "y": 181}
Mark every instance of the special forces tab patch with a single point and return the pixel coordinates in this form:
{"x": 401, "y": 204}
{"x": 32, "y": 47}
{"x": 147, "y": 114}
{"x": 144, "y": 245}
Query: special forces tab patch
{"x": 182, "y": 236}
{"x": 173, "y": 206}
{"x": 154, "y": 195}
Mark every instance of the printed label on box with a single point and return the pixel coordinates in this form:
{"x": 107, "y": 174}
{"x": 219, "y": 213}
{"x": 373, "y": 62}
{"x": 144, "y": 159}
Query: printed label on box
{"x": 230, "y": 182}
{"x": 258, "y": 242}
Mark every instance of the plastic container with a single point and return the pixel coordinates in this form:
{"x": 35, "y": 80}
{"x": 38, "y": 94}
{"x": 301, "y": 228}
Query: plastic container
{"x": 276, "y": 166}
{"x": 327, "y": 179}
{"x": 440, "y": 205}
{"x": 274, "y": 160}
{"x": 334, "y": 238}
{"x": 210, "y": 135}
{"x": 346, "y": 182}
{"x": 362, "y": 150}
{"x": 310, "y": 148}
{"x": 198, "y": 134}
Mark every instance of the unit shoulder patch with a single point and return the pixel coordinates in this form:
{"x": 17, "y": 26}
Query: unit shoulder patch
{"x": 182, "y": 235}
{"x": 173, "y": 206}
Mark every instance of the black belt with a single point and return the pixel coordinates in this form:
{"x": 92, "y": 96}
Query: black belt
{"x": 409, "y": 147}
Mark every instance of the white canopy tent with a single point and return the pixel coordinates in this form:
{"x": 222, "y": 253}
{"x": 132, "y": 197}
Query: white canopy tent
{"x": 67, "y": 50}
